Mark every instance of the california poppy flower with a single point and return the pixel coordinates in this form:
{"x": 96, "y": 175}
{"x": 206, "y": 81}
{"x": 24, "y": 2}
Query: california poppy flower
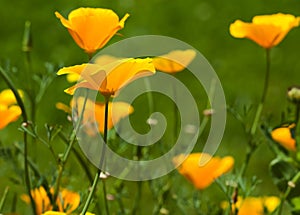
{"x": 67, "y": 201}
{"x": 266, "y": 30}
{"x": 254, "y": 205}
{"x": 92, "y": 28}
{"x": 174, "y": 61}
{"x": 284, "y": 135}
{"x": 9, "y": 111}
{"x": 109, "y": 78}
{"x": 100, "y": 60}
{"x": 201, "y": 176}
{"x": 94, "y": 112}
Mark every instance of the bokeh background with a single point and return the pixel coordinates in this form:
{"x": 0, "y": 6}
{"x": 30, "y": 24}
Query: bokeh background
{"x": 239, "y": 63}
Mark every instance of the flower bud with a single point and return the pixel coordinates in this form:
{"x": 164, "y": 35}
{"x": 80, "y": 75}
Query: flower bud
{"x": 293, "y": 94}
{"x": 27, "y": 38}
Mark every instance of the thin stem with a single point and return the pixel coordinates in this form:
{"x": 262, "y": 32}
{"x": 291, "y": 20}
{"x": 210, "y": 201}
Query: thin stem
{"x": 79, "y": 158}
{"x": 287, "y": 192}
{"x": 82, "y": 163}
{"x": 196, "y": 202}
{"x": 101, "y": 169}
{"x": 25, "y": 120}
{"x": 15, "y": 92}
{"x": 264, "y": 94}
{"x": 3, "y": 198}
{"x": 14, "y": 203}
{"x": 68, "y": 150}
{"x": 251, "y": 145}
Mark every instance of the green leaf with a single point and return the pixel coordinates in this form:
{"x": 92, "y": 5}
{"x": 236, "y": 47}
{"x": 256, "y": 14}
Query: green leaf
{"x": 282, "y": 172}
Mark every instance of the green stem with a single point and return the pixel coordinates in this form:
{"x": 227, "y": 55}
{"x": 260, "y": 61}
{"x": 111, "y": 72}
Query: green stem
{"x": 32, "y": 165}
{"x": 25, "y": 121}
{"x": 68, "y": 150}
{"x": 3, "y": 198}
{"x": 264, "y": 94}
{"x": 251, "y": 145}
{"x": 196, "y": 202}
{"x": 79, "y": 158}
{"x": 175, "y": 112}
{"x": 82, "y": 163}
{"x": 287, "y": 192}
{"x": 102, "y": 162}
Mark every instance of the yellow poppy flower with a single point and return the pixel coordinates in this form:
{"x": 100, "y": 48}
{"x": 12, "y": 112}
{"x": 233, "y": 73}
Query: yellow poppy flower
{"x": 9, "y": 112}
{"x": 284, "y": 136}
{"x": 95, "y": 111}
{"x": 99, "y": 60}
{"x": 41, "y": 200}
{"x": 8, "y": 98}
{"x": 255, "y": 205}
{"x": 109, "y": 78}
{"x": 92, "y": 28}
{"x": 174, "y": 61}
{"x": 266, "y": 30}
{"x": 67, "y": 201}
{"x": 200, "y": 175}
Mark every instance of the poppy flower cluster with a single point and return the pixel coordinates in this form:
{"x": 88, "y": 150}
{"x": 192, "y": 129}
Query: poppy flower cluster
{"x": 67, "y": 200}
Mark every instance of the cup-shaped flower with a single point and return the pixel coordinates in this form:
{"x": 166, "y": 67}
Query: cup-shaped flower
{"x": 67, "y": 201}
{"x": 9, "y": 111}
{"x": 175, "y": 61}
{"x": 266, "y": 30}
{"x": 109, "y": 78}
{"x": 284, "y": 135}
{"x": 92, "y": 28}
{"x": 202, "y": 169}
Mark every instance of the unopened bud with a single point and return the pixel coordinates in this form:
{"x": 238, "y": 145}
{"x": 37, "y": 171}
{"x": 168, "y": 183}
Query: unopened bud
{"x": 27, "y": 38}
{"x": 291, "y": 184}
{"x": 293, "y": 94}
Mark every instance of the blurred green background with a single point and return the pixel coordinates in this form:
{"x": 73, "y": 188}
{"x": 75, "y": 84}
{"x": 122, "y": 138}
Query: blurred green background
{"x": 239, "y": 63}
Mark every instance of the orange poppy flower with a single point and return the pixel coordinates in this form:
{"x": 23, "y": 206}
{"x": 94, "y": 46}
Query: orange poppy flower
{"x": 100, "y": 60}
{"x": 284, "y": 136}
{"x": 9, "y": 112}
{"x": 254, "y": 205}
{"x": 67, "y": 201}
{"x": 94, "y": 112}
{"x": 92, "y": 28}
{"x": 174, "y": 61}
{"x": 200, "y": 175}
{"x": 266, "y": 30}
{"x": 109, "y": 78}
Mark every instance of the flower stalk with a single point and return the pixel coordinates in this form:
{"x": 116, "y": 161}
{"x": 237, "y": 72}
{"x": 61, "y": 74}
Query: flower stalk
{"x": 251, "y": 144}
{"x": 25, "y": 137}
{"x": 65, "y": 157}
{"x": 101, "y": 166}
